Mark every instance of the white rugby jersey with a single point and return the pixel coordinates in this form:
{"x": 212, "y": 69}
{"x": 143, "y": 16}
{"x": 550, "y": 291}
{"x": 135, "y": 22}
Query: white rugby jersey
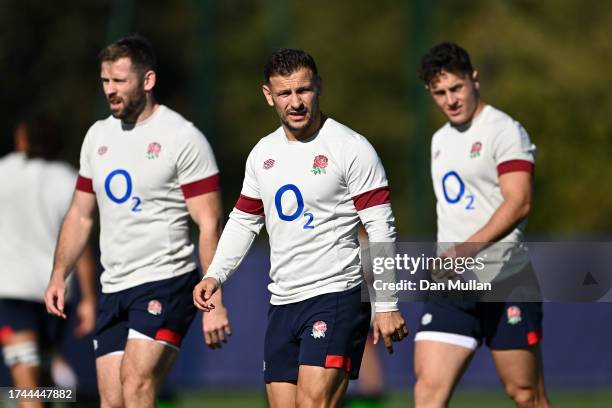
{"x": 34, "y": 198}
{"x": 141, "y": 175}
{"x": 312, "y": 195}
{"x": 465, "y": 170}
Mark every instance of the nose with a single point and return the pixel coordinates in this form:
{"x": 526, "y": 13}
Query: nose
{"x": 295, "y": 101}
{"x": 109, "y": 88}
{"x": 450, "y": 98}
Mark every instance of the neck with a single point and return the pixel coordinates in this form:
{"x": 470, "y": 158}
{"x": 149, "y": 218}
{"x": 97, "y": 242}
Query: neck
{"x": 303, "y": 134}
{"x": 150, "y": 106}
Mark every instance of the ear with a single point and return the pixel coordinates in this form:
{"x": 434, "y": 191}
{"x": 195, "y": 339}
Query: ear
{"x": 268, "y": 94}
{"x": 149, "y": 80}
{"x": 476, "y": 79}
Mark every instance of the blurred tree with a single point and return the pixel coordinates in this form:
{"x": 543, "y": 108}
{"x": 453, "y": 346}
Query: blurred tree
{"x": 546, "y": 63}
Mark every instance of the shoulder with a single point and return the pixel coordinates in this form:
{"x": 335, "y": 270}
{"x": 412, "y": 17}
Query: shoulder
{"x": 500, "y": 121}
{"x": 440, "y": 133}
{"x": 60, "y": 171}
{"x": 337, "y": 132}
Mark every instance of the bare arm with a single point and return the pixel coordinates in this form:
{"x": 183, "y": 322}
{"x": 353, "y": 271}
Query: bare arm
{"x": 86, "y": 310}
{"x": 516, "y": 191}
{"x": 72, "y": 240}
{"x": 206, "y": 211}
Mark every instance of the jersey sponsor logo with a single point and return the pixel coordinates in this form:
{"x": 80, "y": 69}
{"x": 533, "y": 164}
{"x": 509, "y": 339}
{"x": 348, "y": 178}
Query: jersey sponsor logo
{"x": 514, "y": 315}
{"x": 475, "y": 150}
{"x": 154, "y": 307}
{"x": 102, "y": 150}
{"x": 318, "y": 329}
{"x": 153, "y": 150}
{"x": 268, "y": 164}
{"x": 319, "y": 165}
{"x": 426, "y": 319}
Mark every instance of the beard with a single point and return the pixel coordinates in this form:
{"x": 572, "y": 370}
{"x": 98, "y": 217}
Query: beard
{"x": 311, "y": 115}
{"x": 133, "y": 105}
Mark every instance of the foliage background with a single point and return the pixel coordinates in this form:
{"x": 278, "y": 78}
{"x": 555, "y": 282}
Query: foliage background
{"x": 545, "y": 62}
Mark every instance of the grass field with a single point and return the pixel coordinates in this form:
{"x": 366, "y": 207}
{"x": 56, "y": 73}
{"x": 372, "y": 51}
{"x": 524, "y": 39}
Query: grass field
{"x": 463, "y": 399}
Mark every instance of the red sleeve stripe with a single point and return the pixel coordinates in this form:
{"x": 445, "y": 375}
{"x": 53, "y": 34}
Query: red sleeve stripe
{"x": 169, "y": 336}
{"x": 514, "y": 165}
{"x": 335, "y": 361}
{"x": 250, "y": 205}
{"x": 371, "y": 198}
{"x": 84, "y": 184}
{"x": 200, "y": 187}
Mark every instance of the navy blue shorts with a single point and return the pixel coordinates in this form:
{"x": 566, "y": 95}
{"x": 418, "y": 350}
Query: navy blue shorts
{"x": 162, "y": 310}
{"x": 329, "y": 331}
{"x": 501, "y": 325}
{"x": 24, "y": 315}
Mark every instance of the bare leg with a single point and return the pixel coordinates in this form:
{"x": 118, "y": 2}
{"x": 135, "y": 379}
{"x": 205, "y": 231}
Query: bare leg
{"x": 520, "y": 370}
{"x": 320, "y": 387}
{"x": 438, "y": 368}
{"x": 281, "y": 394}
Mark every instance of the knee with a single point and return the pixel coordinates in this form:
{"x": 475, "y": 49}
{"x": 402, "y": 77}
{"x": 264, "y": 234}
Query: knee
{"x": 136, "y": 384}
{"x": 310, "y": 398}
{"x": 523, "y": 396}
{"x": 429, "y": 393}
{"x": 111, "y": 401}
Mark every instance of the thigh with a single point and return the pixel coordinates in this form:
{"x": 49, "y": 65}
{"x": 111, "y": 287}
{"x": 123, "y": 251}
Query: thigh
{"x": 147, "y": 359}
{"x": 108, "y": 369}
{"x": 320, "y": 386}
{"x": 519, "y": 368}
{"x": 440, "y": 365}
{"x": 281, "y": 394}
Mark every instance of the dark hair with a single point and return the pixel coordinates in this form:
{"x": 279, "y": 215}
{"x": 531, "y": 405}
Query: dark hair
{"x": 288, "y": 60}
{"x": 135, "y": 47}
{"x": 446, "y": 56}
{"x": 43, "y": 136}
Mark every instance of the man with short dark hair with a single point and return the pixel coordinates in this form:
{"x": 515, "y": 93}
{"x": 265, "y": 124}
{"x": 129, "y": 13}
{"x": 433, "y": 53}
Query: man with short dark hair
{"x": 148, "y": 170}
{"x": 311, "y": 182}
{"x": 482, "y": 167}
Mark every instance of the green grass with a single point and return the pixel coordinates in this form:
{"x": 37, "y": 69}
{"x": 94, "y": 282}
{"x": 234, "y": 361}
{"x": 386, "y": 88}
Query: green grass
{"x": 462, "y": 399}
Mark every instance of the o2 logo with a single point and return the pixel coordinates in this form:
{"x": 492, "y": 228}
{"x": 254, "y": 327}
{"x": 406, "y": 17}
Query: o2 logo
{"x": 120, "y": 199}
{"x": 292, "y": 189}
{"x": 454, "y": 199}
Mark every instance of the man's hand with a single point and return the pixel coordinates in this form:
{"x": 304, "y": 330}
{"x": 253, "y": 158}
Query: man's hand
{"x": 391, "y": 326}
{"x": 54, "y": 298}
{"x": 86, "y": 318}
{"x": 202, "y": 294}
{"x": 216, "y": 327}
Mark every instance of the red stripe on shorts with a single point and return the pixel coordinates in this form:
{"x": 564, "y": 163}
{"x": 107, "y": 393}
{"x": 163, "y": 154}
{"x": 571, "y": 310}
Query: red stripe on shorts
{"x": 534, "y": 337}
{"x": 5, "y": 333}
{"x": 169, "y": 336}
{"x": 335, "y": 361}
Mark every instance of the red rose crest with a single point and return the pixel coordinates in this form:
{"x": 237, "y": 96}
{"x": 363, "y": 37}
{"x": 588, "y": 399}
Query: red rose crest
{"x": 318, "y": 329}
{"x": 514, "y": 315}
{"x": 153, "y": 150}
{"x": 102, "y": 150}
{"x": 154, "y": 307}
{"x": 319, "y": 165}
{"x": 475, "y": 151}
